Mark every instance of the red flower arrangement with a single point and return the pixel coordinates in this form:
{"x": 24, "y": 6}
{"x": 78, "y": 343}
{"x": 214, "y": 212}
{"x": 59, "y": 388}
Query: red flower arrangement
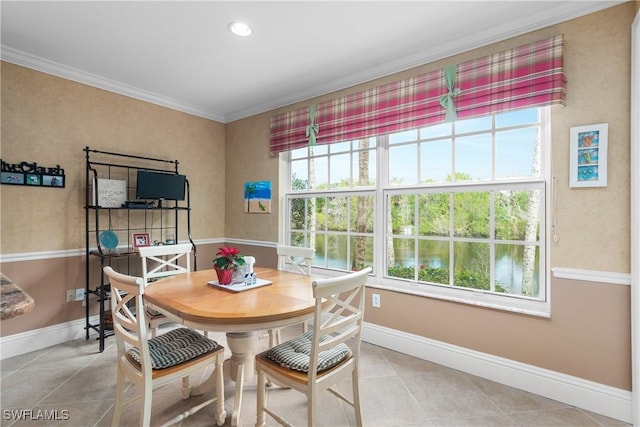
{"x": 228, "y": 259}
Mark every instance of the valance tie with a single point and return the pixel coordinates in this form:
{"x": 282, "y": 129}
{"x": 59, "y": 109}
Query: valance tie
{"x": 447, "y": 100}
{"x": 312, "y": 127}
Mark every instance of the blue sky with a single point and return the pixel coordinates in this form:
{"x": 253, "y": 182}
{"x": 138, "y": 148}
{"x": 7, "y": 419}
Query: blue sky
{"x": 514, "y": 151}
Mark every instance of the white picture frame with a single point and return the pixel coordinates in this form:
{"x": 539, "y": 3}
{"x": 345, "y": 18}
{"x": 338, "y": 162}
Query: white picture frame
{"x": 588, "y": 155}
{"x": 112, "y": 193}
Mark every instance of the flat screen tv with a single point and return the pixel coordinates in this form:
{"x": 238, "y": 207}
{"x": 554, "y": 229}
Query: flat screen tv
{"x": 160, "y": 186}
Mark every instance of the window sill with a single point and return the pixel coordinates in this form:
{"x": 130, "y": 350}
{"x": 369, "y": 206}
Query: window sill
{"x": 475, "y": 299}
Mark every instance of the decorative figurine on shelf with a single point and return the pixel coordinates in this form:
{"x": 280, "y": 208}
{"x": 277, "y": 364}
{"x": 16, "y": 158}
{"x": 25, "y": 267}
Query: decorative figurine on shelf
{"x": 227, "y": 260}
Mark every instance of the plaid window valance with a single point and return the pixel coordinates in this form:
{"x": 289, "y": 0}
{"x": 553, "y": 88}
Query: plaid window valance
{"x": 526, "y": 76}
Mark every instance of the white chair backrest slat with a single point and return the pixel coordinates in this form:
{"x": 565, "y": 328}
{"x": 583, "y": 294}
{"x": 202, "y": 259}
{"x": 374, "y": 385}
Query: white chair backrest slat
{"x": 129, "y": 327}
{"x": 163, "y": 260}
{"x": 295, "y": 257}
{"x": 339, "y": 312}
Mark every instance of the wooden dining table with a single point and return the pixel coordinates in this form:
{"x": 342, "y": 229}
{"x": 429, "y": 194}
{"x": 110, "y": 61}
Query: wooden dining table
{"x": 190, "y": 300}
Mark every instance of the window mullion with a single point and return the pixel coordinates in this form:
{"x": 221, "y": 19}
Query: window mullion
{"x": 492, "y": 240}
{"x": 451, "y": 241}
{"x": 416, "y": 234}
{"x": 382, "y": 228}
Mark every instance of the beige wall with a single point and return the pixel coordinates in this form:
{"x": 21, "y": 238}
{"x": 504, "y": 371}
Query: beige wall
{"x": 588, "y": 334}
{"x": 50, "y": 120}
{"x": 594, "y": 224}
{"x": 248, "y": 160}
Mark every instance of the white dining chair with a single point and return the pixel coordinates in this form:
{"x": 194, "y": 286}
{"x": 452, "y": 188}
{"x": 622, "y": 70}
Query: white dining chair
{"x": 152, "y": 363}
{"x": 163, "y": 261}
{"x": 322, "y": 357}
{"x": 296, "y": 259}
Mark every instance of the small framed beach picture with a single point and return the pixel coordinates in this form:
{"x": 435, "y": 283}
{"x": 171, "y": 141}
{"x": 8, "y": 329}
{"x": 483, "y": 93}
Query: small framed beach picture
{"x": 588, "y": 154}
{"x": 257, "y": 197}
{"x": 140, "y": 240}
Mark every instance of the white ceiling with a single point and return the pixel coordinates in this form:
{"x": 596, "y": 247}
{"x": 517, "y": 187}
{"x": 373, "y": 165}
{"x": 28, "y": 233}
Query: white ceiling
{"x": 180, "y": 54}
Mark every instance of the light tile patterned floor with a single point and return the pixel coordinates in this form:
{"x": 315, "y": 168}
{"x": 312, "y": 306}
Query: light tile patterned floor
{"x": 397, "y": 390}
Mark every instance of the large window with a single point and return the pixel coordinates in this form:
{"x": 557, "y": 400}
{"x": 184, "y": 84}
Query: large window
{"x": 455, "y": 210}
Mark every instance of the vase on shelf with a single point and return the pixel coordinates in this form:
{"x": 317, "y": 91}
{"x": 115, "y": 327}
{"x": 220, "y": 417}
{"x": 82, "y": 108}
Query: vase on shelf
{"x": 225, "y": 275}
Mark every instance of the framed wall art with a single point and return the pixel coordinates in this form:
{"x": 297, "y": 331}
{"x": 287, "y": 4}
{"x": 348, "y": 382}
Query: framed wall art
{"x": 588, "y": 156}
{"x": 257, "y": 197}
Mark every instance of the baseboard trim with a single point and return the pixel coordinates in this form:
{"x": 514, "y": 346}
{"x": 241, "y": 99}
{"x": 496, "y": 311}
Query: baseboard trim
{"x": 36, "y": 339}
{"x": 599, "y": 398}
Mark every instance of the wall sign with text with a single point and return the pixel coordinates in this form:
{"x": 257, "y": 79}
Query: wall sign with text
{"x": 25, "y": 173}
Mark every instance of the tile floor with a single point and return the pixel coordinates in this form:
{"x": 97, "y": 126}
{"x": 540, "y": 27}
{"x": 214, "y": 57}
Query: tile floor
{"x": 74, "y": 379}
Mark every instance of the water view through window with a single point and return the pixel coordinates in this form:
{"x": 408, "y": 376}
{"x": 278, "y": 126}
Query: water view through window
{"x": 463, "y": 204}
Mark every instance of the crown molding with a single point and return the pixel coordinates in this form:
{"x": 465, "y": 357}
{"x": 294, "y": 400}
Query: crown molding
{"x": 24, "y": 59}
{"x": 566, "y": 11}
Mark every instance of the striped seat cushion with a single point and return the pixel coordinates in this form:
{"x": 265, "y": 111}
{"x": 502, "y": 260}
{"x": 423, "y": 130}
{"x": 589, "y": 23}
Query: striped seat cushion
{"x": 175, "y": 347}
{"x": 294, "y": 354}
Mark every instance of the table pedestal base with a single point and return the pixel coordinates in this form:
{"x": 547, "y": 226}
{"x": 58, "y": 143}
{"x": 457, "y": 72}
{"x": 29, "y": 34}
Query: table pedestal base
{"x": 242, "y": 368}
{"x": 242, "y": 364}
{"x": 241, "y": 345}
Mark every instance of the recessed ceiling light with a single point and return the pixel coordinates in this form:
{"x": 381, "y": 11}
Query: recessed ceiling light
{"x": 240, "y": 29}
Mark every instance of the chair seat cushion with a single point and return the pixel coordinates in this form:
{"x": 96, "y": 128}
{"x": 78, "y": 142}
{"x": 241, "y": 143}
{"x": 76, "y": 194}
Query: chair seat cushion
{"x": 295, "y": 353}
{"x": 175, "y": 347}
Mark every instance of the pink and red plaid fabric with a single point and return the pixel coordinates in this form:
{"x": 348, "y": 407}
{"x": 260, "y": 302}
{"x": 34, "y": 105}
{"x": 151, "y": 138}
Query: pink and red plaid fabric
{"x": 526, "y": 76}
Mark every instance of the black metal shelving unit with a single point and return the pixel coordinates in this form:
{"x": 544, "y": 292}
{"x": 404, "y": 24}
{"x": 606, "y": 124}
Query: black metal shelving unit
{"x": 161, "y": 221}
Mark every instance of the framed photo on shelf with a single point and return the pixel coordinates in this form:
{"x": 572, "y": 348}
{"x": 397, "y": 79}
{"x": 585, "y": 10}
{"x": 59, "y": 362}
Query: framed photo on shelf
{"x": 140, "y": 239}
{"x": 588, "y": 156}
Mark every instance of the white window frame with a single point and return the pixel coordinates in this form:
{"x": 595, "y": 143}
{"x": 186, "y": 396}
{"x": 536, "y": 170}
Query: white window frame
{"x": 342, "y": 193}
{"x": 541, "y": 308}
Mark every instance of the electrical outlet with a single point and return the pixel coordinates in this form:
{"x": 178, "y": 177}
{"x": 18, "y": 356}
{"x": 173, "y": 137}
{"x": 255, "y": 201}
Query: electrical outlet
{"x": 79, "y": 294}
{"x": 375, "y": 300}
{"x": 71, "y": 295}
